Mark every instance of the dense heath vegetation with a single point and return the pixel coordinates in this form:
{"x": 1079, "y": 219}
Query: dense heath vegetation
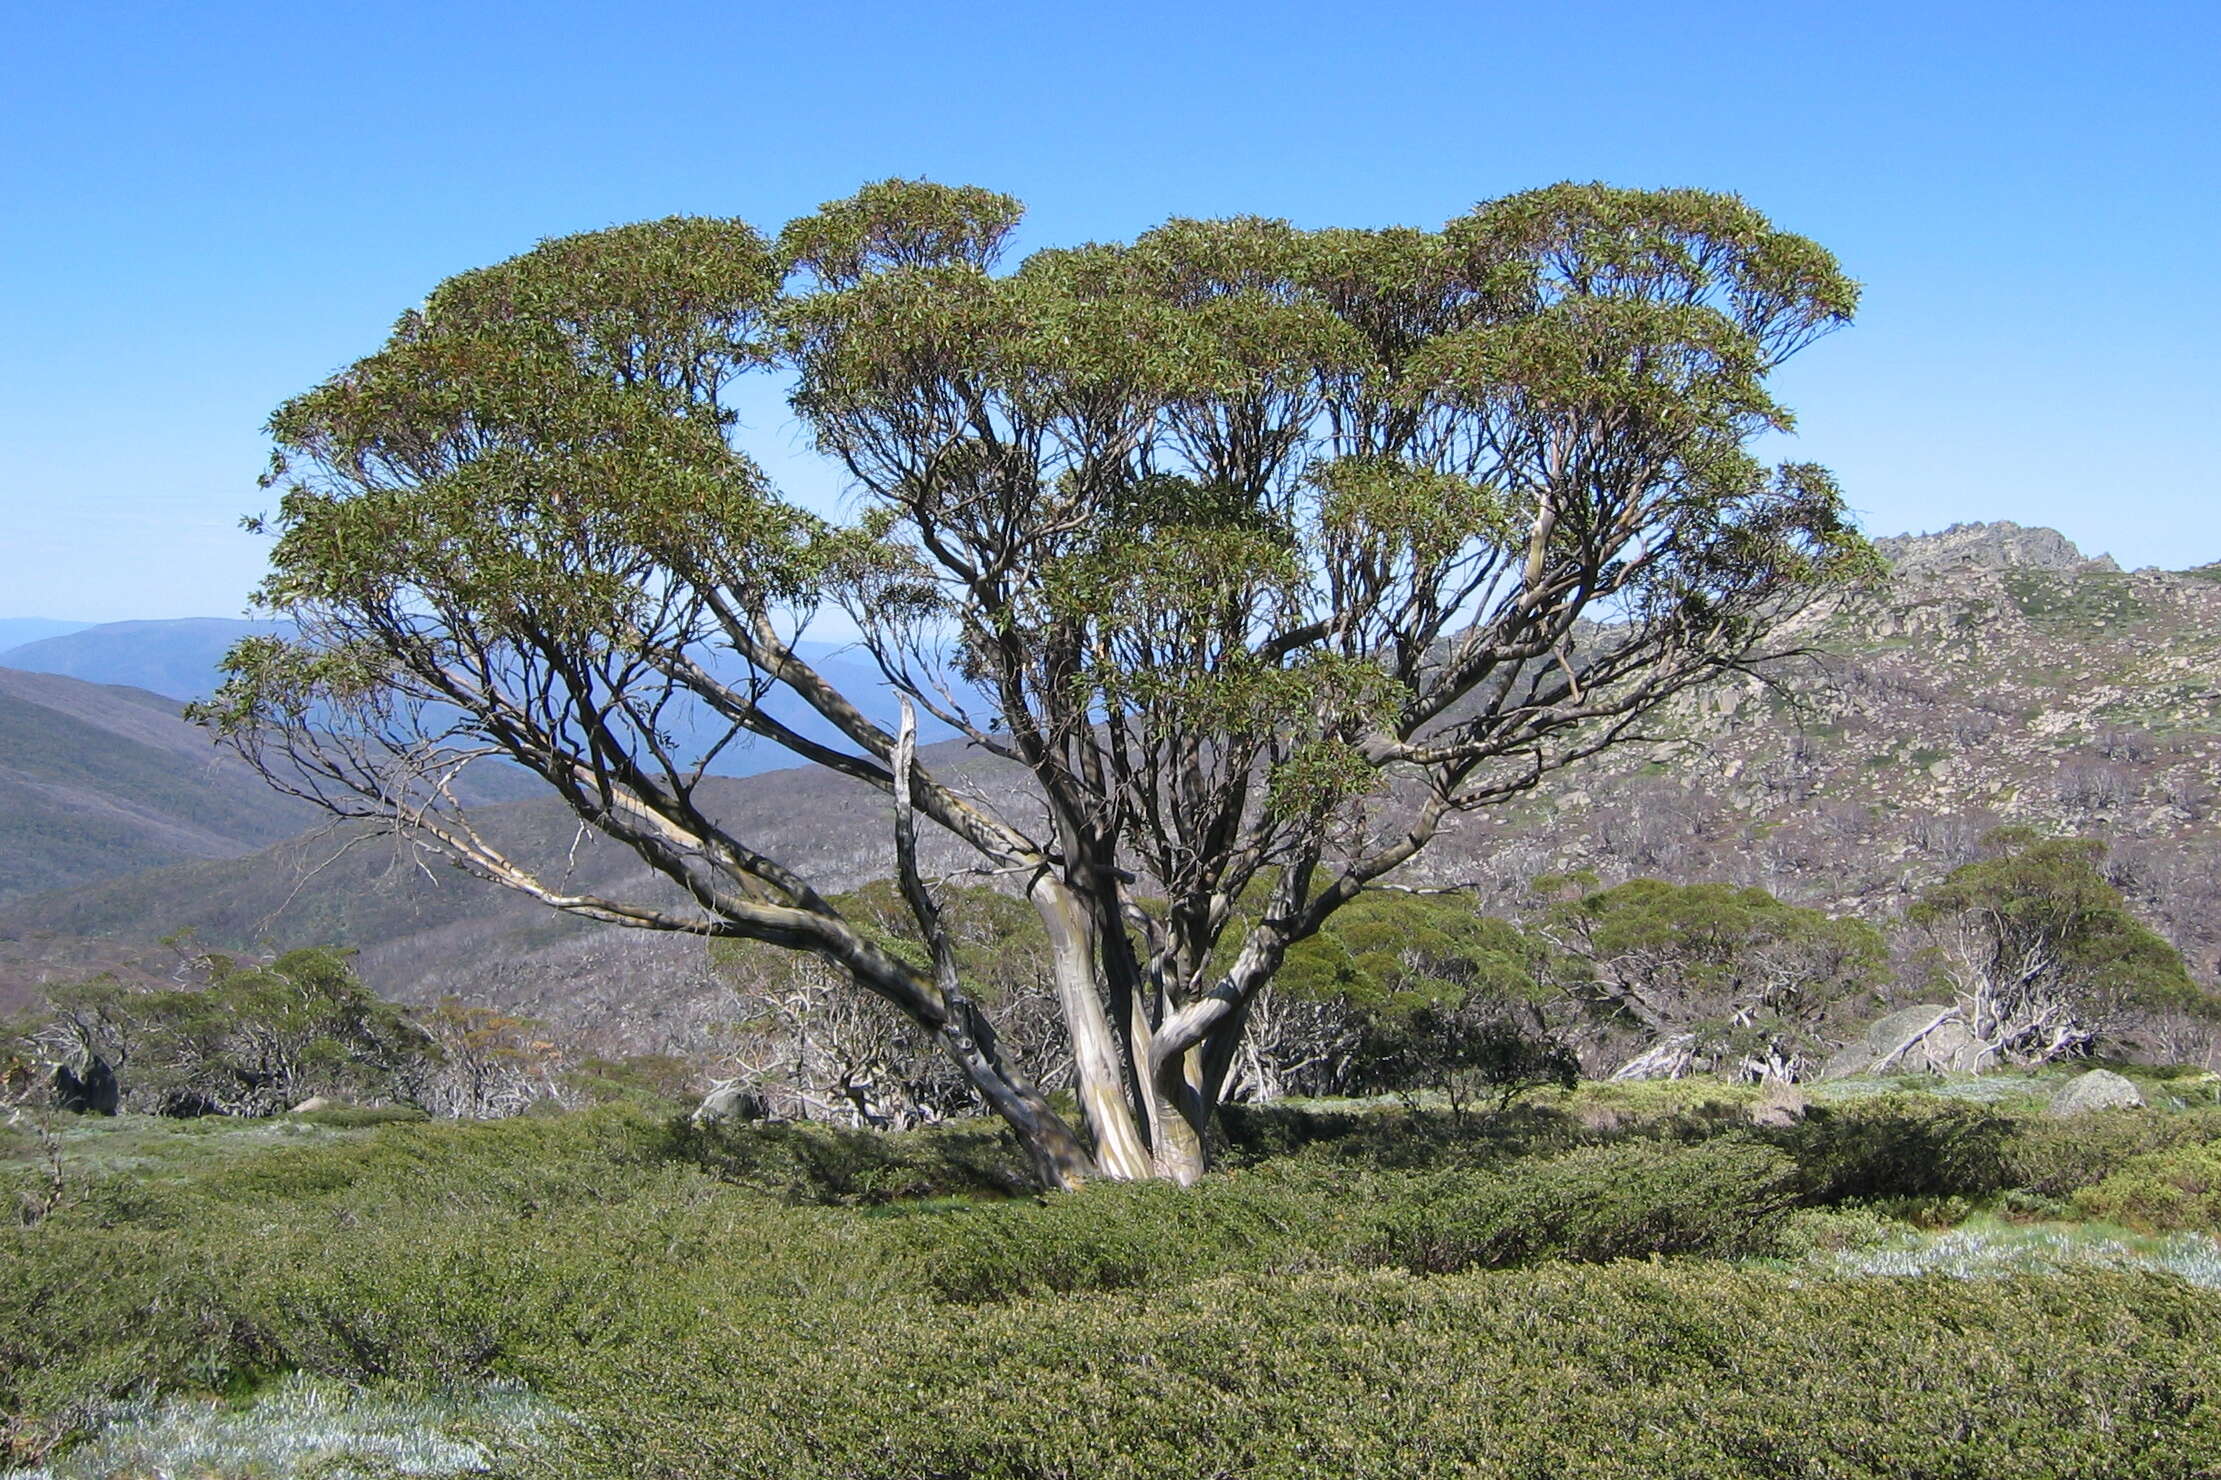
{"x": 1629, "y": 1279}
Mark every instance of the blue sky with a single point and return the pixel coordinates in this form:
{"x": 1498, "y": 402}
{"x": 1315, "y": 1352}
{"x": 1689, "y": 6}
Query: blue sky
{"x": 208, "y": 208}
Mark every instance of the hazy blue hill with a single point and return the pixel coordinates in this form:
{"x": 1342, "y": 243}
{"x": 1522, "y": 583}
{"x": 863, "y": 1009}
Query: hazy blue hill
{"x": 98, "y": 780}
{"x": 179, "y": 659}
{"x": 15, "y": 631}
{"x": 425, "y": 930}
{"x": 176, "y": 659}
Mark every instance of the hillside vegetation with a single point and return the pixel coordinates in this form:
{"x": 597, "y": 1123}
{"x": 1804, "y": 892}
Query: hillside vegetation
{"x": 97, "y": 781}
{"x": 1619, "y": 1281}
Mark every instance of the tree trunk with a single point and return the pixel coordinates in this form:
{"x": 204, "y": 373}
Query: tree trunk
{"x": 1121, "y": 1152}
{"x": 1182, "y": 1116}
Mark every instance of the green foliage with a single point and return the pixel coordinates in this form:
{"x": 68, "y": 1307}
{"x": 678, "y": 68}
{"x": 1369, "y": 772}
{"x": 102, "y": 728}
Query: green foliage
{"x": 812, "y": 1162}
{"x": 644, "y": 1079}
{"x": 2046, "y": 949}
{"x": 1751, "y": 977}
{"x": 250, "y": 1037}
{"x": 2053, "y": 1157}
{"x": 1725, "y": 1199}
{"x": 1626, "y": 1371}
{"x": 1392, "y": 953}
{"x": 1904, "y": 1146}
{"x": 690, "y": 1325}
{"x": 897, "y": 224}
{"x": 2180, "y": 1188}
{"x": 1469, "y": 1051}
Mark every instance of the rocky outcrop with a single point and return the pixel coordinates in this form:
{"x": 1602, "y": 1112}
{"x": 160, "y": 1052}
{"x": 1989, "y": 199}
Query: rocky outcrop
{"x": 2002, "y": 545}
{"x": 2100, "y": 1089}
{"x": 729, "y": 1102}
{"x": 1929, "y": 1038}
{"x": 89, "y": 1089}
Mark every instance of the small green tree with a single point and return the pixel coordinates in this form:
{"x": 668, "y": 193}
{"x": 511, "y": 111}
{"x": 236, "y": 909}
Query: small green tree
{"x": 246, "y": 1037}
{"x": 2042, "y": 954}
{"x": 1403, "y": 991}
{"x": 1255, "y": 548}
{"x": 1714, "y": 977}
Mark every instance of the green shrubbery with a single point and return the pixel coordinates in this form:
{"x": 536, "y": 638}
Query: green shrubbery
{"x": 1626, "y": 1370}
{"x": 2054, "y": 1157}
{"x": 1900, "y": 1146}
{"x": 792, "y": 1301}
{"x": 810, "y": 1161}
{"x": 2164, "y": 1190}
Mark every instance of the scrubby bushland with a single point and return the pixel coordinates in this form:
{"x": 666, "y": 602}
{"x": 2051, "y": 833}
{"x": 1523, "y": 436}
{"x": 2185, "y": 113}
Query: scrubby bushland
{"x": 242, "y": 1036}
{"x": 808, "y": 1300}
{"x": 1622, "y": 1371}
{"x": 2056, "y": 1157}
{"x": 1713, "y": 977}
{"x": 2180, "y": 1188}
{"x": 805, "y": 1162}
{"x": 1725, "y": 1199}
{"x": 2041, "y": 953}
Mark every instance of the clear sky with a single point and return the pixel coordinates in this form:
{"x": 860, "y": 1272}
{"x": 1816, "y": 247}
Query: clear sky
{"x": 206, "y": 208}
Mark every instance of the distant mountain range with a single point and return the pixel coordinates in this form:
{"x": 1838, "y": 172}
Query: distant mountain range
{"x": 176, "y": 659}
{"x": 98, "y": 780}
{"x": 182, "y": 660}
{"x": 2001, "y": 677}
{"x": 15, "y": 631}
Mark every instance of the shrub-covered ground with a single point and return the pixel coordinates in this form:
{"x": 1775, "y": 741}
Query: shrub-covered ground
{"x": 1626, "y": 1280}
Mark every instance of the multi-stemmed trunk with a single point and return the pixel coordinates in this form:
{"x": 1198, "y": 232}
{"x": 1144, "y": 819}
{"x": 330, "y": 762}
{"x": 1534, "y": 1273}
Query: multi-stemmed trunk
{"x": 1149, "y": 1079}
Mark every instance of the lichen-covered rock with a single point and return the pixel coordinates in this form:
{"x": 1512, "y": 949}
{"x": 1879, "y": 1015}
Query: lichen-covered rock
{"x": 1928, "y": 1038}
{"x": 733, "y": 1101}
{"x": 2100, "y": 1089}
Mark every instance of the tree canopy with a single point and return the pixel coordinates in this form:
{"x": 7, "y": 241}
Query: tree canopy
{"x": 1262, "y": 551}
{"x": 2043, "y": 954}
{"x": 1719, "y": 976}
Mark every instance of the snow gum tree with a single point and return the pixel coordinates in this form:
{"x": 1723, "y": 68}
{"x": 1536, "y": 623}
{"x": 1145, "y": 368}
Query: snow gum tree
{"x": 1264, "y": 552}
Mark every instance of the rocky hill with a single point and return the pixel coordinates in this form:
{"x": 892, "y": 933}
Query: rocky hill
{"x": 1998, "y": 677}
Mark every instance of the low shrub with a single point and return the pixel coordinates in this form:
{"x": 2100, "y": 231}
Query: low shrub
{"x": 811, "y": 1162}
{"x": 1263, "y": 1324}
{"x": 2178, "y": 1189}
{"x": 1114, "y": 1236}
{"x": 1726, "y": 1198}
{"x": 2057, "y": 1155}
{"x": 523, "y": 1162}
{"x": 1899, "y": 1146}
{"x": 1628, "y": 1370}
